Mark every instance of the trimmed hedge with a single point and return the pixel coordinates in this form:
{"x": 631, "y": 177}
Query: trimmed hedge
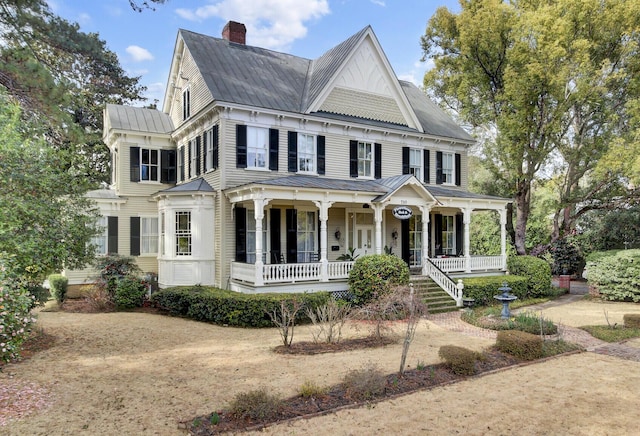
{"x": 230, "y": 308}
{"x": 375, "y": 274}
{"x": 520, "y": 344}
{"x": 58, "y": 285}
{"x": 459, "y": 360}
{"x": 482, "y": 289}
{"x": 631, "y": 320}
{"x": 536, "y": 270}
{"x": 617, "y": 276}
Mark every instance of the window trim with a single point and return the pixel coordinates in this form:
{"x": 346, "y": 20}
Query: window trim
{"x": 253, "y": 149}
{"x": 420, "y": 163}
{"x": 313, "y": 154}
{"x": 186, "y": 103}
{"x": 371, "y": 160}
{"x": 145, "y": 237}
{"x": 185, "y": 234}
{"x": 103, "y": 236}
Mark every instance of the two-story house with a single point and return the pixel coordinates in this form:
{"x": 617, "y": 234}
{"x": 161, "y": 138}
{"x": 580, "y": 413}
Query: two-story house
{"x": 265, "y": 171}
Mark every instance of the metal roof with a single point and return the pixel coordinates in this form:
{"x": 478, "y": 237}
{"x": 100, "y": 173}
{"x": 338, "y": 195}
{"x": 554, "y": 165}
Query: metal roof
{"x": 384, "y": 187}
{"x": 138, "y": 119}
{"x": 197, "y": 185}
{"x": 257, "y": 77}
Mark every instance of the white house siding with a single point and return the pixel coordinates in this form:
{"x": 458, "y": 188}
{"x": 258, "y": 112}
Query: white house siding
{"x": 124, "y": 186}
{"x": 200, "y": 96}
{"x": 364, "y": 105}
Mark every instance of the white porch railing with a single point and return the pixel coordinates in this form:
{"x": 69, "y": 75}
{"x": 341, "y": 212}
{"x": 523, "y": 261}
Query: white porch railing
{"x": 300, "y": 272}
{"x": 442, "y": 280}
{"x": 471, "y": 264}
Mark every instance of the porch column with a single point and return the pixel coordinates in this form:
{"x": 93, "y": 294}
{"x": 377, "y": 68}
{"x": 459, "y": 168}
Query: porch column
{"x": 323, "y": 212}
{"x": 426, "y": 211}
{"x": 377, "y": 217}
{"x": 259, "y": 204}
{"x": 503, "y": 237}
{"x": 466, "y": 220}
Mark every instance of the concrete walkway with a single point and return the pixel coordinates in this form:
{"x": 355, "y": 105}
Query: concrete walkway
{"x": 451, "y": 321}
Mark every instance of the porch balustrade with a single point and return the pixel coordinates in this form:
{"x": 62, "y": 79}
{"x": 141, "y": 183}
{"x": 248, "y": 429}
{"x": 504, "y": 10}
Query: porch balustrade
{"x": 312, "y": 271}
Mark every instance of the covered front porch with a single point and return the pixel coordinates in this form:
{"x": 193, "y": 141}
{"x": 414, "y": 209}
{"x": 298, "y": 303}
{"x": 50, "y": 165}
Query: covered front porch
{"x": 303, "y": 233}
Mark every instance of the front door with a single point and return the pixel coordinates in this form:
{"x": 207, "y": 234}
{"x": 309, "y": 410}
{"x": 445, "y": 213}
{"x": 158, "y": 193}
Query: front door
{"x": 363, "y": 234}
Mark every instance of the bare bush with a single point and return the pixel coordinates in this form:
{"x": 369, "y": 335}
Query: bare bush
{"x": 328, "y": 321}
{"x": 285, "y": 318}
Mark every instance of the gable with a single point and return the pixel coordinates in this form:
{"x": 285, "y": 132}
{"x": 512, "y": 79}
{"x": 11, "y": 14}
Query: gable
{"x": 363, "y": 85}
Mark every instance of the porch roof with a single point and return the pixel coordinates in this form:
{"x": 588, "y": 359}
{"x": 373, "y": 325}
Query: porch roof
{"x": 379, "y": 189}
{"x": 197, "y": 185}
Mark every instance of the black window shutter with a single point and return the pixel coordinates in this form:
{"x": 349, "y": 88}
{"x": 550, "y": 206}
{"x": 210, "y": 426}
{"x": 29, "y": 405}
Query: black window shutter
{"x": 191, "y": 170}
{"x": 437, "y": 238}
{"x": 198, "y": 154}
{"x": 216, "y": 146}
{"x": 427, "y": 166}
{"x": 135, "y": 236}
{"x": 458, "y": 170}
{"x": 135, "y": 163}
{"x": 292, "y": 235}
{"x": 274, "y": 235}
{"x": 438, "y": 168}
{"x": 459, "y": 234}
{"x": 241, "y": 234}
{"x": 404, "y": 238}
{"x": 320, "y": 151}
{"x": 241, "y": 147}
{"x": 378, "y": 160}
{"x": 167, "y": 166}
{"x": 204, "y": 151}
{"x": 353, "y": 158}
{"x": 181, "y": 153}
{"x": 112, "y": 234}
{"x": 405, "y": 160}
{"x": 274, "y": 139}
{"x": 292, "y": 152}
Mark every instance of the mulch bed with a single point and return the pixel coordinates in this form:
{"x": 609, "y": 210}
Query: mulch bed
{"x": 310, "y": 348}
{"x": 337, "y": 397}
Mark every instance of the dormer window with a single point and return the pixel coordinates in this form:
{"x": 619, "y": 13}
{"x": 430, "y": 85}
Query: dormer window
{"x": 186, "y": 103}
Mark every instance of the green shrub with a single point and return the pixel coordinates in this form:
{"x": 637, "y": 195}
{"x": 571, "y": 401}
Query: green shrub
{"x": 39, "y": 294}
{"x": 257, "y": 404}
{"x": 129, "y": 293}
{"x": 58, "y": 285}
{"x": 612, "y": 333}
{"x": 525, "y": 346}
{"x": 482, "y": 289}
{"x": 365, "y": 383}
{"x": 15, "y": 317}
{"x": 375, "y": 274}
{"x": 224, "y": 307}
{"x": 567, "y": 258}
{"x": 459, "y": 360}
{"x": 536, "y": 270}
{"x": 631, "y": 320}
{"x": 617, "y": 277}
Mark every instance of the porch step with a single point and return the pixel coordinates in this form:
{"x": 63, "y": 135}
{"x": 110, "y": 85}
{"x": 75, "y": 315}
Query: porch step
{"x": 436, "y": 299}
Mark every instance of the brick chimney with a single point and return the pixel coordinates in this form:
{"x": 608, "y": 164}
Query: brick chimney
{"x": 235, "y": 32}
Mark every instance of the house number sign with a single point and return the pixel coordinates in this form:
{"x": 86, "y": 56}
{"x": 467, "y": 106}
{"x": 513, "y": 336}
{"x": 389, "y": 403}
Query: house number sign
{"x": 402, "y": 212}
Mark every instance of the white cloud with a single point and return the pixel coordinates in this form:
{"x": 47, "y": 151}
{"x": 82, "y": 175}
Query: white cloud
{"x": 139, "y": 54}
{"x": 273, "y": 24}
{"x": 416, "y": 74}
{"x": 378, "y": 2}
{"x": 84, "y": 18}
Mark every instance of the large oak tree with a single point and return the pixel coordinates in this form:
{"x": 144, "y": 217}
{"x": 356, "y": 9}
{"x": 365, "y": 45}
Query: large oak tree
{"x": 546, "y": 81}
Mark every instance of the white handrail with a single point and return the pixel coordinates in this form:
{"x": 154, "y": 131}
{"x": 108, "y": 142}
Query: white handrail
{"x": 443, "y": 280}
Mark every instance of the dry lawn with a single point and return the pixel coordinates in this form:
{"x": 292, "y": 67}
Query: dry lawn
{"x": 136, "y": 373}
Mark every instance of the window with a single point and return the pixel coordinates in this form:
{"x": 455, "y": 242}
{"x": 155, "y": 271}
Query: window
{"x": 251, "y": 238}
{"x": 365, "y": 159}
{"x": 415, "y": 163}
{"x": 415, "y": 240}
{"x": 149, "y": 235}
{"x": 448, "y": 235}
{"x": 183, "y": 233}
{"x": 448, "y": 168}
{"x": 100, "y": 240}
{"x": 162, "y": 234}
{"x": 149, "y": 164}
{"x": 193, "y": 158}
{"x": 211, "y": 142}
{"x": 186, "y": 104}
{"x": 181, "y": 163}
{"x": 306, "y": 153}
{"x": 257, "y": 147}
{"x": 307, "y": 237}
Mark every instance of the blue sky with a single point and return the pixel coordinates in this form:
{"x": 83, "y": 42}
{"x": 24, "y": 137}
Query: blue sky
{"x": 144, "y": 41}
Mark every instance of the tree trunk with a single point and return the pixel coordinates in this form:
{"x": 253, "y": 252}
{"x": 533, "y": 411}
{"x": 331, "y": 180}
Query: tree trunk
{"x": 523, "y": 205}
